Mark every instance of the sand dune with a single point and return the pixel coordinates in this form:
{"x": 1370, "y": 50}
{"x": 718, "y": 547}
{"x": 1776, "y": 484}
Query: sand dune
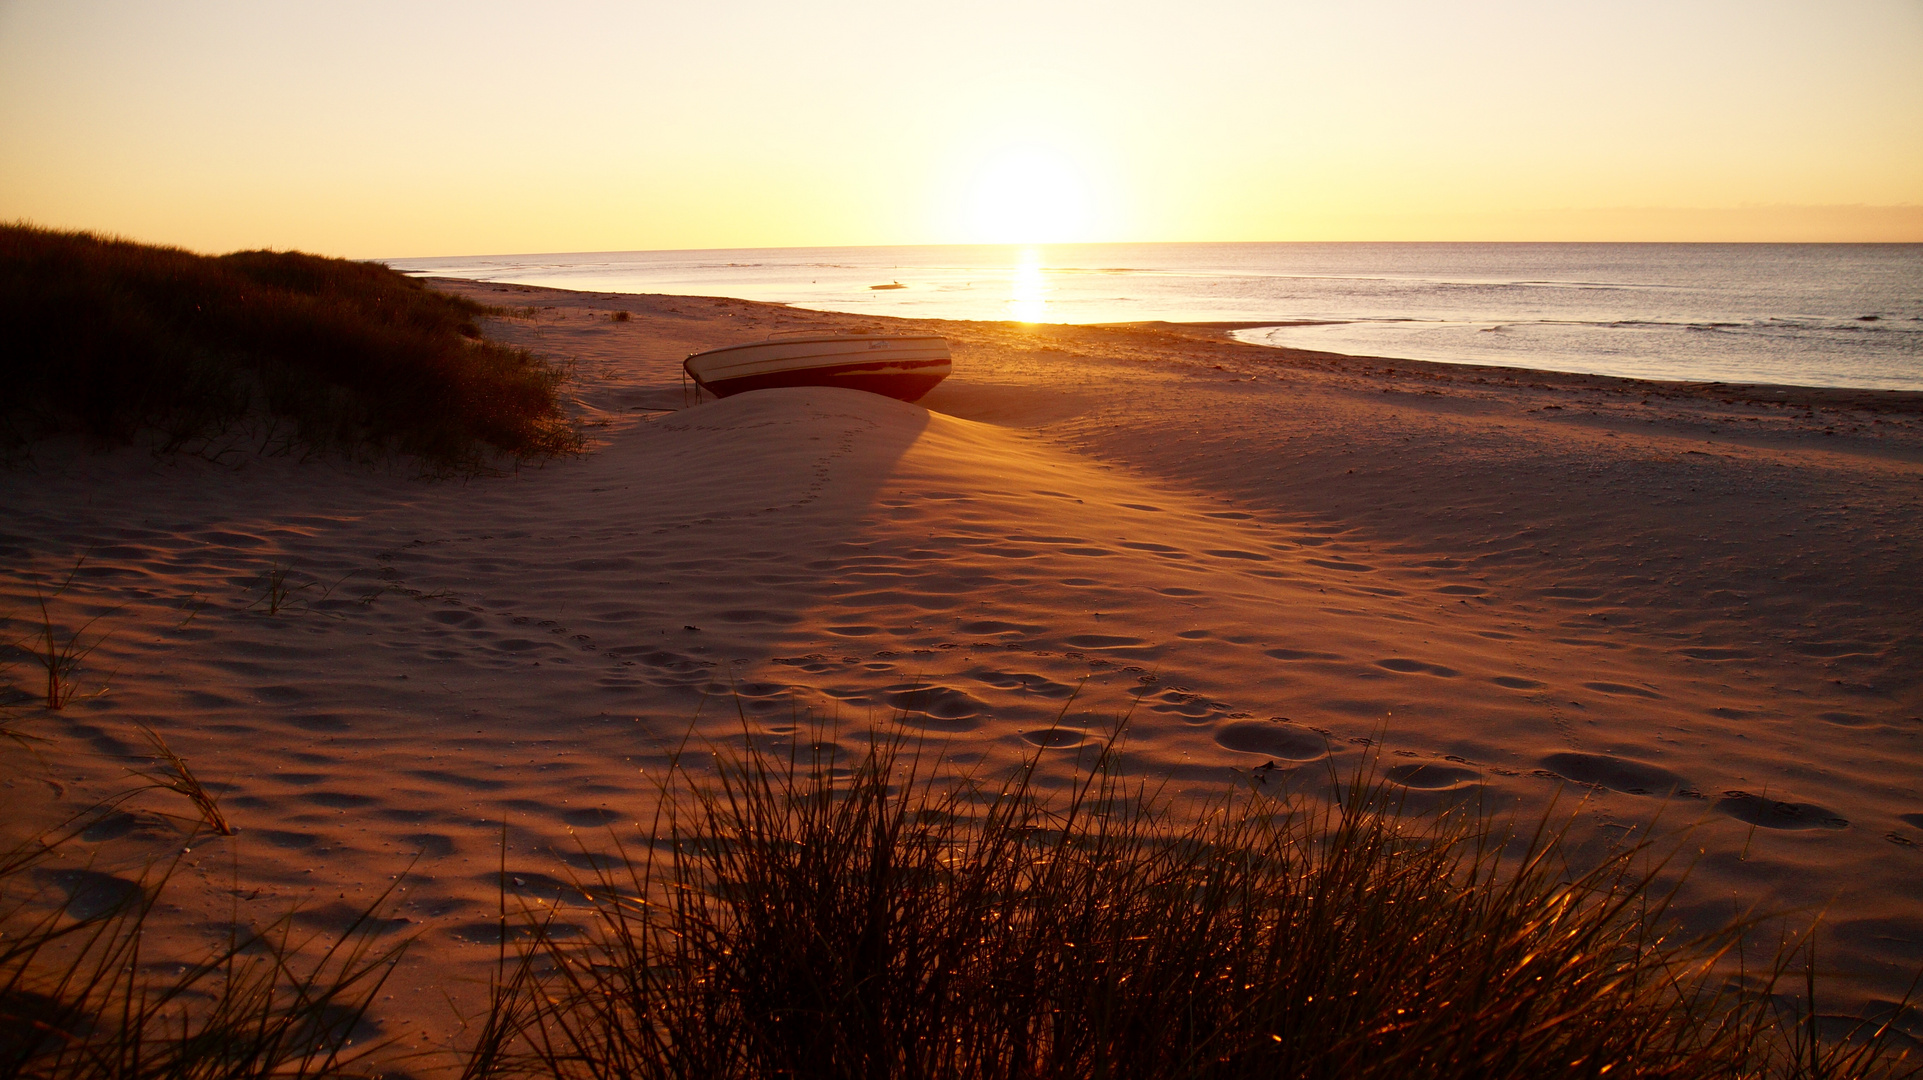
{"x": 1646, "y": 601}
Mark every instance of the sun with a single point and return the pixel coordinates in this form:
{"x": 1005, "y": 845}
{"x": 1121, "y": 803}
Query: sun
{"x": 1029, "y": 197}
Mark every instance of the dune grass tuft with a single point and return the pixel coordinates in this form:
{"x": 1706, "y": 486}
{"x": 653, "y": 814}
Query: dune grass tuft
{"x": 58, "y": 651}
{"x": 112, "y": 339}
{"x": 171, "y": 773}
{"x": 831, "y": 915}
{"x": 86, "y": 994}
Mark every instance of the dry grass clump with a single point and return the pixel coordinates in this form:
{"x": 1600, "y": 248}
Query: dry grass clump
{"x": 57, "y": 651}
{"x": 110, "y": 338}
{"x": 85, "y": 994}
{"x": 171, "y": 773}
{"x": 851, "y": 916}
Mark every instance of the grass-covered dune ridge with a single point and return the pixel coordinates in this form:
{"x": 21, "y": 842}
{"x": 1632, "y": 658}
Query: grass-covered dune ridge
{"x": 111, "y": 338}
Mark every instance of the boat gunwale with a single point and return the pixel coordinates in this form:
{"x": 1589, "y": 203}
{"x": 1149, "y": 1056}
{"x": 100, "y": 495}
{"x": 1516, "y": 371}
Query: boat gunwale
{"x": 819, "y": 338}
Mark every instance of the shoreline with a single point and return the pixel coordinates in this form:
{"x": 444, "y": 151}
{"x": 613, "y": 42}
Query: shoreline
{"x": 1758, "y": 392}
{"x": 1849, "y": 397}
{"x": 1874, "y": 398}
{"x": 1770, "y": 315}
{"x": 1688, "y": 608}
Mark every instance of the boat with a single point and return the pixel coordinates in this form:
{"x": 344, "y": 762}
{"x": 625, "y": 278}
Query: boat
{"x": 897, "y": 366}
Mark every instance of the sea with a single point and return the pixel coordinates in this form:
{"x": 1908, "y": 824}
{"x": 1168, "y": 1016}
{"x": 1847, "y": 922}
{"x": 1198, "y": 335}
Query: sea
{"x": 1836, "y": 315}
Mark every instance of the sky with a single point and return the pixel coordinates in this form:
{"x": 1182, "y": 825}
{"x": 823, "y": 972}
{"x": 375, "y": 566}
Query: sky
{"x": 397, "y": 129}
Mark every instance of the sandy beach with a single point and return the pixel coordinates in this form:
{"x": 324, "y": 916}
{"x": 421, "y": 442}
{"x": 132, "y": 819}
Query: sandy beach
{"x": 1690, "y": 604}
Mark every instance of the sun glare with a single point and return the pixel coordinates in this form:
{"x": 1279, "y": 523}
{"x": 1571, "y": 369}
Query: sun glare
{"x": 1029, "y": 198}
{"x": 1028, "y": 289}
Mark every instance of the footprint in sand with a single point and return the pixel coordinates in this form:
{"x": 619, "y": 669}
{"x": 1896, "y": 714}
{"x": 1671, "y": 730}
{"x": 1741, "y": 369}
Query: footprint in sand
{"x": 1272, "y": 738}
{"x": 1024, "y": 681}
{"x": 991, "y": 627}
{"x": 1414, "y": 667}
{"x": 1616, "y": 774}
{"x": 1101, "y": 641}
{"x": 1515, "y": 682}
{"x": 515, "y": 646}
{"x": 756, "y": 615}
{"x": 943, "y": 708}
{"x": 280, "y": 694}
{"x": 337, "y": 800}
{"x": 1054, "y": 738}
{"x": 285, "y": 839}
{"x": 1622, "y": 690}
{"x": 761, "y": 698}
{"x": 1333, "y": 564}
{"x": 1431, "y": 777}
{"x": 201, "y": 699}
{"x": 121, "y": 824}
{"x": 457, "y": 780}
{"x": 299, "y": 779}
{"x": 430, "y": 845}
{"x": 1299, "y": 654}
{"x": 813, "y": 663}
{"x": 1192, "y": 707}
{"x": 1767, "y": 813}
{"x": 91, "y": 893}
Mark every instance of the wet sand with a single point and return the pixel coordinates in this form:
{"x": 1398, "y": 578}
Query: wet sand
{"x": 1691, "y": 603}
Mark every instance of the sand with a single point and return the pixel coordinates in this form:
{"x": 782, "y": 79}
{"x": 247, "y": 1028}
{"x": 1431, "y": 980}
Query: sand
{"x": 1690, "y": 604}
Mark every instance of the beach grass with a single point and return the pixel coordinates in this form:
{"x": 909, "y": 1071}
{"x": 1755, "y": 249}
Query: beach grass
{"x": 830, "y": 914}
{"x": 55, "y": 649}
{"x": 170, "y": 772}
{"x": 87, "y": 994}
{"x": 115, "y": 340}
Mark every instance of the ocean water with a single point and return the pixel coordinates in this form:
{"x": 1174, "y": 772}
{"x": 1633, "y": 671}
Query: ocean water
{"x": 1848, "y": 315}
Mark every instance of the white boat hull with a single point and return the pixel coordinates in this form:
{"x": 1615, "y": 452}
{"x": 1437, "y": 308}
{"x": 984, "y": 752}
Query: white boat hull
{"x": 896, "y": 366}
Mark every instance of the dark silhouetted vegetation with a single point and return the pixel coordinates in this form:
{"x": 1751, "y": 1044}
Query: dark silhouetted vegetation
{"x": 834, "y": 915}
{"x": 113, "y": 340}
{"x": 87, "y": 994}
{"x": 849, "y": 916}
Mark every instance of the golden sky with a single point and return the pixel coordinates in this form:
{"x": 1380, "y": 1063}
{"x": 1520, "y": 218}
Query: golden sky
{"x": 412, "y": 129}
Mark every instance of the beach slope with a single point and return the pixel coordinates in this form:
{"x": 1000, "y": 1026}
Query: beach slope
{"x": 1688, "y": 605}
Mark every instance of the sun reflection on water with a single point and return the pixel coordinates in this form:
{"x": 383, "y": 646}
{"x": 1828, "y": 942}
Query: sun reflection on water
{"x": 1027, "y": 288}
